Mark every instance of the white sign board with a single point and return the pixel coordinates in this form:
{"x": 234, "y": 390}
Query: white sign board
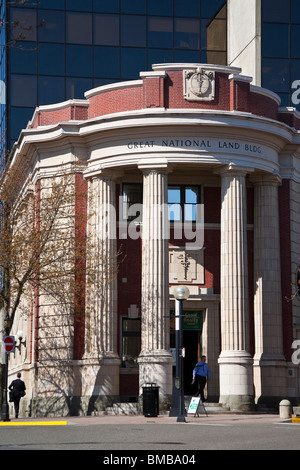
{"x": 194, "y": 405}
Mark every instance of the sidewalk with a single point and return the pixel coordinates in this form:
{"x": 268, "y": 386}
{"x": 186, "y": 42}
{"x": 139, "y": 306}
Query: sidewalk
{"x": 226, "y": 418}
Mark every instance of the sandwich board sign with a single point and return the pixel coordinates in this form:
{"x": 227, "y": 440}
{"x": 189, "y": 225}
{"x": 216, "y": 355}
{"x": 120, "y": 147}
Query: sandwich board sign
{"x": 194, "y": 406}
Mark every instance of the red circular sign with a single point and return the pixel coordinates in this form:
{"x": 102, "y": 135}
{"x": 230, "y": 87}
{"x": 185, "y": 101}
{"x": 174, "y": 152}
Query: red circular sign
{"x": 9, "y": 343}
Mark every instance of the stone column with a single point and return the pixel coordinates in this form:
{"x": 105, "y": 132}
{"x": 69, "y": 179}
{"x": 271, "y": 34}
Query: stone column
{"x": 235, "y": 361}
{"x": 101, "y": 327}
{"x": 269, "y": 361}
{"x": 155, "y": 360}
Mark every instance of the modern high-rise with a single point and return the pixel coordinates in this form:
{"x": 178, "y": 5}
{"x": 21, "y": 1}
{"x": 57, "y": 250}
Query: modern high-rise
{"x": 57, "y": 49}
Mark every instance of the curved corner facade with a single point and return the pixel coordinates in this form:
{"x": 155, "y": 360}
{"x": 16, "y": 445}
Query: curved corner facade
{"x": 183, "y": 137}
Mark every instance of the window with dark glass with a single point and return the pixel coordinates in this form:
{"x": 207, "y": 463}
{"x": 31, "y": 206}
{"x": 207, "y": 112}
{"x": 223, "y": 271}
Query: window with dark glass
{"x": 159, "y": 56}
{"x": 295, "y": 11}
{"x": 133, "y": 60}
{"x": 276, "y": 11}
{"x": 79, "y": 5}
{"x": 133, "y": 6}
{"x": 295, "y": 40}
{"x": 54, "y": 4}
{"x": 275, "y": 75}
{"x": 18, "y": 117}
{"x": 79, "y": 61}
{"x": 51, "y": 90}
{"x": 186, "y": 56}
{"x": 131, "y": 341}
{"x": 23, "y": 58}
{"x": 182, "y": 203}
{"x": 106, "y": 30}
{"x": 132, "y": 199}
{"x": 106, "y": 6}
{"x": 53, "y": 28}
{"x": 79, "y": 28}
{"x": 160, "y": 32}
{"x": 133, "y": 31}
{"x": 20, "y": 84}
{"x": 187, "y": 33}
{"x": 159, "y": 7}
{"x": 190, "y": 8}
{"x": 23, "y": 25}
{"x": 275, "y": 42}
{"x": 298, "y": 283}
{"x": 106, "y": 62}
{"x": 76, "y": 87}
{"x": 213, "y": 8}
{"x": 51, "y": 59}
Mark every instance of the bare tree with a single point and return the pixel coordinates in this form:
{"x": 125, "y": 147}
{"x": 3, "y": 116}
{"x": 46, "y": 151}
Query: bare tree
{"x": 44, "y": 250}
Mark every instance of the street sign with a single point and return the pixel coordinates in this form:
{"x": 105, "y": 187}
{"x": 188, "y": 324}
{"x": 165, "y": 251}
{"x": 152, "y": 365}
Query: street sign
{"x": 9, "y": 343}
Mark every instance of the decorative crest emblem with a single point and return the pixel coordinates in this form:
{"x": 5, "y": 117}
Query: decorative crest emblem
{"x": 199, "y": 85}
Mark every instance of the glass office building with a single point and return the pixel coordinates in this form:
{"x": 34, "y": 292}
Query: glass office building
{"x": 280, "y": 53}
{"x": 57, "y": 49}
{"x": 54, "y": 50}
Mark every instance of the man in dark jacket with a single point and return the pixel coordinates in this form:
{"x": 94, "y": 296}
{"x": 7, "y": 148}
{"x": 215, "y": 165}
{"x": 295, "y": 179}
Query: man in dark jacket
{"x": 18, "y": 391}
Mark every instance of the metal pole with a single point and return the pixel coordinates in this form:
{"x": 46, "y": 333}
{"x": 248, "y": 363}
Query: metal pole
{"x": 5, "y": 405}
{"x": 181, "y": 415}
{"x": 175, "y": 407}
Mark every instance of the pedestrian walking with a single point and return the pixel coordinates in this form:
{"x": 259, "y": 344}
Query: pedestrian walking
{"x": 17, "y": 388}
{"x": 200, "y": 375}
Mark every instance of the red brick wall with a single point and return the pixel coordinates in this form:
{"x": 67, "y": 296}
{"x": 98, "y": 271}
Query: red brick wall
{"x": 290, "y": 119}
{"x": 116, "y": 101}
{"x": 230, "y": 95}
{"x": 263, "y": 106}
{"x": 69, "y": 113}
{"x": 153, "y": 92}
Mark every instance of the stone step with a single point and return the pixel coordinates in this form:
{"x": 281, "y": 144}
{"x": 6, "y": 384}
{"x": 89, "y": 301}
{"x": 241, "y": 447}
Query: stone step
{"x": 133, "y": 408}
{"x": 122, "y": 409}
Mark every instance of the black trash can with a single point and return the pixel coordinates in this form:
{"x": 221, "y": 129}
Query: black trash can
{"x": 151, "y": 400}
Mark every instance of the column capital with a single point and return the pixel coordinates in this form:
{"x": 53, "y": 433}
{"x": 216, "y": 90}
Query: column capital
{"x": 97, "y": 172}
{"x": 265, "y": 179}
{"x": 232, "y": 169}
{"x": 160, "y": 165}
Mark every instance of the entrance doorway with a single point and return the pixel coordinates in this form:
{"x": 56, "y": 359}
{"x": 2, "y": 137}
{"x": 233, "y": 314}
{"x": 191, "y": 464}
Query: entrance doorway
{"x": 192, "y": 343}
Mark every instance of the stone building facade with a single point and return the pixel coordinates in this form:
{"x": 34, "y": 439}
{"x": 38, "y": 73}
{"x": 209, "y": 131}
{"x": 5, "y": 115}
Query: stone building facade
{"x": 186, "y": 135}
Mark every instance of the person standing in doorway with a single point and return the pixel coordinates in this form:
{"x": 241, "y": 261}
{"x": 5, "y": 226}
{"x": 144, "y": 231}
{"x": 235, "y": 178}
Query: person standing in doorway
{"x": 18, "y": 391}
{"x": 200, "y": 375}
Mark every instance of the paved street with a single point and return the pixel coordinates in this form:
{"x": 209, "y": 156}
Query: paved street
{"x": 137, "y": 433}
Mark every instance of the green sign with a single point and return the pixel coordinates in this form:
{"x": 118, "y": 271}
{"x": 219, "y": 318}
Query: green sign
{"x": 192, "y": 320}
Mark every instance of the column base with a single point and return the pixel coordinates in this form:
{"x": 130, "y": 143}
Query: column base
{"x": 242, "y": 403}
{"x": 270, "y": 379}
{"x": 156, "y": 367}
{"x": 236, "y": 380}
{"x": 100, "y": 376}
